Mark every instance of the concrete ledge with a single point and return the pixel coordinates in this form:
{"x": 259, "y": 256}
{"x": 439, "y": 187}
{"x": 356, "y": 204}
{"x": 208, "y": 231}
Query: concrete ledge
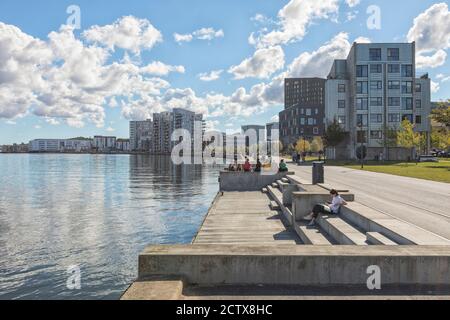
{"x": 298, "y": 265}
{"x": 247, "y": 181}
{"x": 156, "y": 288}
{"x": 377, "y": 238}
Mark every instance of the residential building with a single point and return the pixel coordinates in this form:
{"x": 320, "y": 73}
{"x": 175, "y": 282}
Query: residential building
{"x": 46, "y": 145}
{"x": 77, "y": 145}
{"x": 259, "y": 130}
{"x": 123, "y": 145}
{"x": 141, "y": 133}
{"x": 270, "y": 128}
{"x": 104, "y": 143}
{"x": 165, "y": 124}
{"x": 15, "y": 148}
{"x": 303, "y": 114}
{"x": 371, "y": 92}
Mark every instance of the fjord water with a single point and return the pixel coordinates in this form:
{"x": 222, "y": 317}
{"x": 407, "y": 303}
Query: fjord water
{"x": 96, "y": 212}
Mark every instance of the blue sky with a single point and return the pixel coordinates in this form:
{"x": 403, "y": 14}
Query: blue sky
{"x": 228, "y": 101}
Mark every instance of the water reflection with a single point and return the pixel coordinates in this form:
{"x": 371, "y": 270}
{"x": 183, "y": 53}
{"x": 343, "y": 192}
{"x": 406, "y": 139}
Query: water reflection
{"x": 97, "y": 212}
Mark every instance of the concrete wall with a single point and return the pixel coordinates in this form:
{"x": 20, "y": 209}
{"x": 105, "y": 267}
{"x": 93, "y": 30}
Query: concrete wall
{"x": 304, "y": 202}
{"x": 298, "y": 265}
{"x": 247, "y": 181}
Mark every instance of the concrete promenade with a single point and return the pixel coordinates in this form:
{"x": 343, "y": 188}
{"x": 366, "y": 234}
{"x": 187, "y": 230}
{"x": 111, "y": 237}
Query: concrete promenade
{"x": 244, "y": 218}
{"x": 423, "y": 203}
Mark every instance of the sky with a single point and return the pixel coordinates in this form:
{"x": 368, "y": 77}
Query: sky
{"x": 85, "y": 68}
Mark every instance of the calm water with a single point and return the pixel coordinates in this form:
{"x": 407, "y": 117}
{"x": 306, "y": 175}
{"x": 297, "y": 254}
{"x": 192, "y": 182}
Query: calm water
{"x": 96, "y": 212}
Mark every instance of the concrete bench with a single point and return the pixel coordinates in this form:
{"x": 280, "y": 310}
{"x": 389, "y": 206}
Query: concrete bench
{"x": 377, "y": 238}
{"x": 330, "y": 187}
{"x": 401, "y": 232}
{"x": 341, "y": 231}
{"x": 297, "y": 180}
{"x": 304, "y": 202}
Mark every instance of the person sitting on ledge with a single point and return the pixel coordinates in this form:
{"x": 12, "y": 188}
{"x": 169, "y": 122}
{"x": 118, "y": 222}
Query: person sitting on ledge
{"x": 231, "y": 167}
{"x": 258, "y": 166}
{"x": 239, "y": 167}
{"x": 247, "y": 165}
{"x": 283, "y": 167}
{"x": 330, "y": 208}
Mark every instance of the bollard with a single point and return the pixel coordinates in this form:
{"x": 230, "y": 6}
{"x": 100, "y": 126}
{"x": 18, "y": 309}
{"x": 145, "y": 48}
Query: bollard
{"x": 318, "y": 175}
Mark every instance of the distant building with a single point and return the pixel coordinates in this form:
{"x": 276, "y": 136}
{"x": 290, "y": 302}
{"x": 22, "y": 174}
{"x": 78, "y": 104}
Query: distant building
{"x": 164, "y": 125}
{"x": 259, "y": 130}
{"x": 15, "y": 148}
{"x": 141, "y": 133}
{"x": 77, "y": 145}
{"x": 304, "y": 110}
{"x": 46, "y": 145}
{"x": 270, "y": 127}
{"x": 104, "y": 143}
{"x": 123, "y": 145}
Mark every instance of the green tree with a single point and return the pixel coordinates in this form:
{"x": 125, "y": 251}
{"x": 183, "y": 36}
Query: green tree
{"x": 302, "y": 145}
{"x": 334, "y": 134}
{"x": 407, "y": 137}
{"x": 442, "y": 114}
{"x": 317, "y": 144}
{"x": 440, "y": 138}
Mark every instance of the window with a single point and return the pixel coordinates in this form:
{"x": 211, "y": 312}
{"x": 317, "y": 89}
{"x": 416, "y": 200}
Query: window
{"x": 407, "y": 70}
{"x": 394, "y": 85}
{"x": 361, "y": 71}
{"x": 362, "y": 104}
{"x": 375, "y": 68}
{"x": 393, "y": 54}
{"x": 376, "y": 85}
{"x": 341, "y": 88}
{"x": 341, "y": 119}
{"x": 394, "y": 117}
{"x": 302, "y": 121}
{"x": 315, "y": 130}
{"x": 408, "y": 117}
{"x": 341, "y": 104}
{"x": 361, "y": 136}
{"x": 308, "y": 112}
{"x": 376, "y": 134}
{"x": 394, "y": 101}
{"x": 419, "y": 104}
{"x": 361, "y": 87}
{"x": 361, "y": 119}
{"x": 393, "y": 68}
{"x": 376, "y": 118}
{"x": 376, "y": 102}
{"x": 407, "y": 103}
{"x": 406, "y": 87}
{"x": 418, "y": 119}
{"x": 375, "y": 54}
{"x": 418, "y": 87}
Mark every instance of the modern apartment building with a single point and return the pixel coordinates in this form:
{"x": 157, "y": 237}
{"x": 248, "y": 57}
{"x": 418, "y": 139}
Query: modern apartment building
{"x": 104, "y": 143}
{"x": 164, "y": 125}
{"x": 123, "y": 145}
{"x": 141, "y": 133}
{"x": 371, "y": 92}
{"x": 60, "y": 145}
{"x": 303, "y": 114}
{"x": 270, "y": 134}
{"x": 259, "y": 130}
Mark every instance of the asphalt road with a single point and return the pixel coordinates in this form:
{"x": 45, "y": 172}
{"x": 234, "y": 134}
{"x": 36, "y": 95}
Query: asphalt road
{"x": 420, "y": 202}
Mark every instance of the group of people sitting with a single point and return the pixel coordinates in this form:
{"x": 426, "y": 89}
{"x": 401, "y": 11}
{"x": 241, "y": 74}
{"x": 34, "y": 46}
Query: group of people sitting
{"x": 247, "y": 166}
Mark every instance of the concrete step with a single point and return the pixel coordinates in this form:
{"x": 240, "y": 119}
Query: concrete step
{"x": 403, "y": 233}
{"x": 341, "y": 231}
{"x": 264, "y": 190}
{"x": 312, "y": 235}
{"x": 285, "y": 180}
{"x": 274, "y": 205}
{"x": 297, "y": 180}
{"x": 275, "y": 185}
{"x": 377, "y": 238}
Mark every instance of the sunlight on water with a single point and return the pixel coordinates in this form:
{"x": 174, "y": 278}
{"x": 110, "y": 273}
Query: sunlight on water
{"x": 94, "y": 211}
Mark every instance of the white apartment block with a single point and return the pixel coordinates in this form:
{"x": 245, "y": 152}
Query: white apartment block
{"x": 372, "y": 91}
{"x": 141, "y": 133}
{"x": 104, "y": 143}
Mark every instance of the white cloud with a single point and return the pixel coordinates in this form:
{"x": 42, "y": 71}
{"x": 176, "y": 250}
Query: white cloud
{"x": 211, "y": 76}
{"x": 160, "y": 69}
{"x": 435, "y": 87}
{"x": 363, "y": 40}
{"x": 127, "y": 33}
{"x": 261, "y": 65}
{"x": 431, "y": 31}
{"x": 352, "y": 3}
{"x": 201, "y": 34}
{"x": 351, "y": 15}
{"x": 110, "y": 129}
{"x": 294, "y": 19}
{"x": 275, "y": 118}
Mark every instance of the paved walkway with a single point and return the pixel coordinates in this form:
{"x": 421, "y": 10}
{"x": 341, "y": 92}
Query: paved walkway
{"x": 421, "y": 202}
{"x": 244, "y": 218}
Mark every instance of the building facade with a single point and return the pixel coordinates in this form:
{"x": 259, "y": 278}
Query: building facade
{"x": 373, "y": 91}
{"x": 104, "y": 143}
{"x": 141, "y": 133}
{"x": 303, "y": 114}
{"x": 165, "y": 124}
{"x": 123, "y": 145}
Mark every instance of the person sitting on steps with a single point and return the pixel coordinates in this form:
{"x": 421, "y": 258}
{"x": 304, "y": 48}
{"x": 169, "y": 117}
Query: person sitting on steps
{"x": 283, "y": 167}
{"x": 330, "y": 208}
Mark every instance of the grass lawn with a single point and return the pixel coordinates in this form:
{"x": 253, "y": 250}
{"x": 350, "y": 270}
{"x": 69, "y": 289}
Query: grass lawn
{"x": 428, "y": 171}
